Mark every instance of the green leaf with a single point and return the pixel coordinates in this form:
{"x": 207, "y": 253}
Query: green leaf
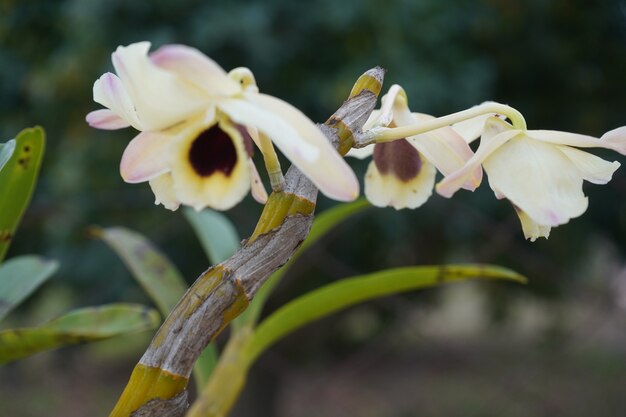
{"x": 347, "y": 292}
{"x": 19, "y": 277}
{"x": 6, "y": 150}
{"x": 17, "y": 181}
{"x": 150, "y": 267}
{"x": 216, "y": 233}
{"x": 78, "y": 326}
{"x": 322, "y": 224}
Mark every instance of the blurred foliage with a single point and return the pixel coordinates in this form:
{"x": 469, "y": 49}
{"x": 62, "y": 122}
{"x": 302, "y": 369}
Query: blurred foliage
{"x": 559, "y": 62}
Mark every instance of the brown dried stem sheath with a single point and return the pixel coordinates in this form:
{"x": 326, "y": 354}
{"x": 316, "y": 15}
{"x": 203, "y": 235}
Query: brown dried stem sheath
{"x": 157, "y": 386}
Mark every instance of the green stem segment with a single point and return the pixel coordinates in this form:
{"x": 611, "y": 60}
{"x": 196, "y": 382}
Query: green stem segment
{"x": 279, "y": 206}
{"x": 382, "y": 134}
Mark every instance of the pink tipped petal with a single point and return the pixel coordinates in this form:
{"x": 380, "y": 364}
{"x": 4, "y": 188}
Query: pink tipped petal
{"x": 161, "y": 98}
{"x": 145, "y": 157}
{"x": 256, "y": 185}
{"x": 109, "y": 91}
{"x": 195, "y": 67}
{"x": 106, "y": 120}
{"x": 592, "y": 168}
{"x": 538, "y": 179}
{"x": 299, "y": 139}
{"x": 614, "y": 140}
{"x": 493, "y": 138}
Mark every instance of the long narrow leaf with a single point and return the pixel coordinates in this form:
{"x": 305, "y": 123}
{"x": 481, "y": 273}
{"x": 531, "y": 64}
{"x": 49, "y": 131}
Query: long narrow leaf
{"x": 19, "y": 277}
{"x": 155, "y": 273}
{"x": 347, "y": 292}
{"x": 78, "y": 326}
{"x": 216, "y": 233}
{"x": 18, "y": 177}
{"x": 322, "y": 224}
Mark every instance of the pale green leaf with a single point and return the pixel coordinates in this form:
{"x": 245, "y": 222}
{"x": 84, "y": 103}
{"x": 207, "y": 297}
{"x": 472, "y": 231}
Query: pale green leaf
{"x": 216, "y": 233}
{"x": 78, "y": 326}
{"x": 347, "y": 292}
{"x": 18, "y": 177}
{"x": 155, "y": 273}
{"x": 19, "y": 277}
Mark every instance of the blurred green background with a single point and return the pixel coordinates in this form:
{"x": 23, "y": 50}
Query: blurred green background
{"x": 554, "y": 348}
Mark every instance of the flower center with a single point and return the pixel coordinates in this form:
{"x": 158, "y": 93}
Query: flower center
{"x": 399, "y": 158}
{"x": 213, "y": 151}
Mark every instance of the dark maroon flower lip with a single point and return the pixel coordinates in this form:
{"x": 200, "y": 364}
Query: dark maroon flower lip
{"x": 398, "y": 158}
{"x": 213, "y": 151}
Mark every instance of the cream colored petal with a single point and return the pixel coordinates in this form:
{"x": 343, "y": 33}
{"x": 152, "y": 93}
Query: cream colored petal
{"x": 145, "y": 157}
{"x": 538, "y": 179}
{"x": 471, "y": 129}
{"x": 163, "y": 189}
{"x": 299, "y": 139}
{"x": 614, "y": 140}
{"x": 592, "y": 168}
{"x": 443, "y": 147}
{"x": 256, "y": 185}
{"x": 389, "y": 102}
{"x": 106, "y": 120}
{"x": 531, "y": 229}
{"x": 218, "y": 188}
{"x": 160, "y": 97}
{"x": 195, "y": 67}
{"x": 496, "y": 133}
{"x": 244, "y": 78}
{"x": 109, "y": 91}
{"x": 361, "y": 153}
{"x": 384, "y": 190}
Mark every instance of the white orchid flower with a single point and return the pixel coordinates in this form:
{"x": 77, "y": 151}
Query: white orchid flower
{"x": 402, "y": 172}
{"x": 540, "y": 171}
{"x": 194, "y": 120}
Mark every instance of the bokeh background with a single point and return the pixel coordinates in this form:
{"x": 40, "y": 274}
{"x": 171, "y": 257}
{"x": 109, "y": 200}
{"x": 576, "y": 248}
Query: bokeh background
{"x": 556, "y": 347}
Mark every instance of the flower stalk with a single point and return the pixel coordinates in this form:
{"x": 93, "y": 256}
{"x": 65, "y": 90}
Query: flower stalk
{"x": 272, "y": 164}
{"x": 384, "y": 134}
